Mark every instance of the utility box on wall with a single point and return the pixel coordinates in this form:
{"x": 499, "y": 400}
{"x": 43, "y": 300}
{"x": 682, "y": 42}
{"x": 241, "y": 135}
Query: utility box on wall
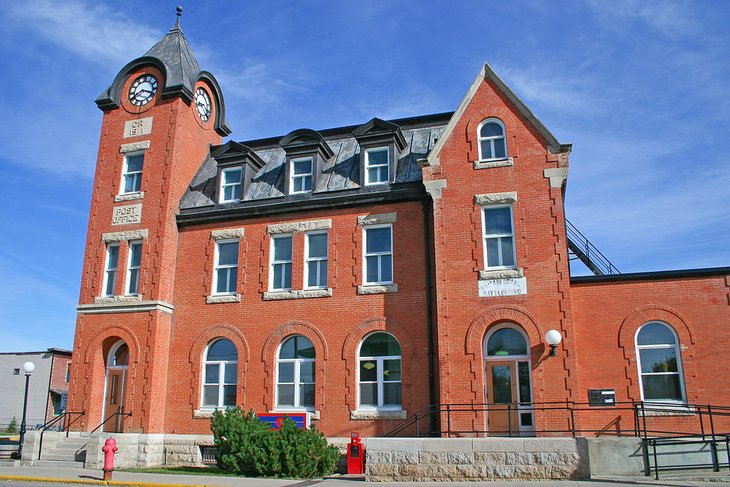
{"x": 602, "y": 397}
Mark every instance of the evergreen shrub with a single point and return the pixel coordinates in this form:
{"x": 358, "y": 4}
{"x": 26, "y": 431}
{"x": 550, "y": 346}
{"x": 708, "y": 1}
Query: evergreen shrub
{"x": 249, "y": 447}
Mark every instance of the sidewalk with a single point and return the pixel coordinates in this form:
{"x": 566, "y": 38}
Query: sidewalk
{"x": 74, "y": 476}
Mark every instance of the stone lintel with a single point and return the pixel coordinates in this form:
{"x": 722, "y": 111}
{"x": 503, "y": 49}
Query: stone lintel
{"x": 224, "y": 298}
{"x": 500, "y": 274}
{"x": 124, "y": 236}
{"x": 129, "y": 197}
{"x": 378, "y": 289}
{"x": 306, "y": 226}
{"x": 227, "y": 233}
{"x": 136, "y": 298}
{"x": 557, "y": 176}
{"x": 435, "y": 188}
{"x": 125, "y": 307}
{"x": 377, "y": 219}
{"x": 490, "y": 164}
{"x": 297, "y": 294}
{"x": 495, "y": 198}
{"x": 370, "y": 415}
{"x": 134, "y": 146}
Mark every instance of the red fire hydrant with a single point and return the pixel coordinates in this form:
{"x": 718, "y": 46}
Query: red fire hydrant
{"x": 109, "y": 449}
{"x": 355, "y": 455}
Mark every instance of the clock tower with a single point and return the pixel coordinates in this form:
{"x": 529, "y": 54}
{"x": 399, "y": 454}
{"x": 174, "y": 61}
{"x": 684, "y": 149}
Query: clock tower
{"x": 161, "y": 114}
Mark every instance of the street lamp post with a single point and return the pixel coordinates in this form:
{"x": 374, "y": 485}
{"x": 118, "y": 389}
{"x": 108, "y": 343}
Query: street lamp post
{"x": 28, "y": 367}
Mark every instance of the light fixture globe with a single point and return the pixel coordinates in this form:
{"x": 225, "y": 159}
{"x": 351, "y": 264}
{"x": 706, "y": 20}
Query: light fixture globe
{"x": 553, "y": 338}
{"x": 28, "y": 367}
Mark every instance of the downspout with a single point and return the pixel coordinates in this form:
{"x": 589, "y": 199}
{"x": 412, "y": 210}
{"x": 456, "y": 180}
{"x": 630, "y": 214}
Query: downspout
{"x": 428, "y": 210}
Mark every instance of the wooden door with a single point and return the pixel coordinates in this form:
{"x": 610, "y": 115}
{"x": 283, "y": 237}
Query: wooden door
{"x": 502, "y": 414}
{"x": 114, "y": 400}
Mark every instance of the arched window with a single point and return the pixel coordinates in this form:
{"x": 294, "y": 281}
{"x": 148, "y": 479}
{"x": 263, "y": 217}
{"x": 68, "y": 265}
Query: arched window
{"x": 492, "y": 142}
{"x": 295, "y": 373}
{"x": 220, "y": 372}
{"x": 506, "y": 341}
{"x": 380, "y": 372}
{"x": 119, "y": 356}
{"x": 660, "y": 363}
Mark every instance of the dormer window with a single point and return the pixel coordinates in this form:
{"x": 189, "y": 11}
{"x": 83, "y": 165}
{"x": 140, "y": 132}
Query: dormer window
{"x": 301, "y": 175}
{"x": 492, "y": 142}
{"x": 230, "y": 185}
{"x": 377, "y": 165}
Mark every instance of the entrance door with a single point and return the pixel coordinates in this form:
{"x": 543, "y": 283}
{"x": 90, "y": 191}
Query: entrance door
{"x": 116, "y": 381}
{"x": 502, "y": 398}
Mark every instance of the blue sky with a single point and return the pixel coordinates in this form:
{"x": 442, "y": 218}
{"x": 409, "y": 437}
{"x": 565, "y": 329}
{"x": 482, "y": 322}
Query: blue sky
{"x": 640, "y": 88}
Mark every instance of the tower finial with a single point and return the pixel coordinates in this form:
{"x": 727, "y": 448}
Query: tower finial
{"x": 179, "y": 14}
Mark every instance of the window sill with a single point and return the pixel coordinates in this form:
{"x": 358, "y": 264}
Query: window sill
{"x": 365, "y": 414}
{"x": 203, "y": 413}
{"x": 486, "y": 274}
{"x": 377, "y": 289}
{"x": 490, "y": 163}
{"x": 129, "y": 196}
{"x": 666, "y": 409}
{"x": 298, "y": 294}
{"x": 134, "y": 298}
{"x": 223, "y": 298}
{"x": 313, "y": 413}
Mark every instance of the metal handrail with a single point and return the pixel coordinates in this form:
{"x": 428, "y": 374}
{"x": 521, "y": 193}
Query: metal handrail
{"x": 600, "y": 262}
{"x": 66, "y": 426}
{"x": 113, "y": 415}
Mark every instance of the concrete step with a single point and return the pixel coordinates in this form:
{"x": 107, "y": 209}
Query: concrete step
{"x": 63, "y": 456}
{"x": 71, "y": 446}
{"x": 58, "y": 463}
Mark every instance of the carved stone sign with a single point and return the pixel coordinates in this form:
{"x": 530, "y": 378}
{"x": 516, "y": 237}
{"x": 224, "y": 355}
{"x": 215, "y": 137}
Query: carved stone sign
{"x": 135, "y": 128}
{"x": 502, "y": 287}
{"x": 125, "y": 215}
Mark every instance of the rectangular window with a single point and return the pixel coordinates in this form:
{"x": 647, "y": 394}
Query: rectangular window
{"x": 378, "y": 255}
{"x": 68, "y": 373}
{"x": 225, "y": 274}
{"x": 132, "y": 174}
{"x": 377, "y": 166}
{"x": 315, "y": 266}
{"x": 230, "y": 185}
{"x": 281, "y": 257}
{"x": 135, "y": 259}
{"x": 301, "y": 175}
{"x": 499, "y": 248}
{"x": 110, "y": 270}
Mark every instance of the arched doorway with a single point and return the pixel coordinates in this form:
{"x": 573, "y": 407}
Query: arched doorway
{"x": 508, "y": 381}
{"x": 115, "y": 387}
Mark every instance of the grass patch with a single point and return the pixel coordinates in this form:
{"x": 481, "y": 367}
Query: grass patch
{"x": 183, "y": 471}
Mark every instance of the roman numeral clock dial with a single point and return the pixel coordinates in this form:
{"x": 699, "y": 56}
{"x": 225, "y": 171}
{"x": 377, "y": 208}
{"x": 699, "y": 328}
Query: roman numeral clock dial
{"x": 143, "y": 90}
{"x": 202, "y": 104}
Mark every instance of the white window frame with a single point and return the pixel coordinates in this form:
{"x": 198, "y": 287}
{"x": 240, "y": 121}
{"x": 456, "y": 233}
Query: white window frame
{"x": 272, "y": 284}
{"x": 303, "y": 176}
{"x": 319, "y": 260}
{"x": 131, "y": 268}
{"x": 223, "y": 185}
{"x": 297, "y": 378}
{"x": 380, "y": 381}
{"x": 483, "y": 211}
{"x": 677, "y": 351}
{"x": 492, "y": 139}
{"x": 365, "y": 256}
{"x": 109, "y": 272}
{"x": 221, "y": 377}
{"x": 137, "y": 175}
{"x": 217, "y": 266}
{"x": 367, "y": 165}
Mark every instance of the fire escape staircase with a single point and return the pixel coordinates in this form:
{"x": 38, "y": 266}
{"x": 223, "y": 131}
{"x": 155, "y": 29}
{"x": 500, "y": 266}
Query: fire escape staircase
{"x": 582, "y": 249}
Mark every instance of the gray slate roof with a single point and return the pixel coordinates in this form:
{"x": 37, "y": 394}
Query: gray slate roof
{"x": 341, "y": 173}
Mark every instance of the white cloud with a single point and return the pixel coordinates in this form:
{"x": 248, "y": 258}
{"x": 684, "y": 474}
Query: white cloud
{"x": 90, "y": 30}
{"x": 671, "y": 18}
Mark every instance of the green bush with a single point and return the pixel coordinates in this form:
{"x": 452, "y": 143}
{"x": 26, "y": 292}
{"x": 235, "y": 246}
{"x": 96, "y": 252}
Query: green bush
{"x": 12, "y": 426}
{"x": 248, "y": 447}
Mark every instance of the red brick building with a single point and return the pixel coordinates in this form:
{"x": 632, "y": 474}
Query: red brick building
{"x": 360, "y": 273}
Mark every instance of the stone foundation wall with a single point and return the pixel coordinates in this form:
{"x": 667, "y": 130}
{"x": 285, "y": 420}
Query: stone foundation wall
{"x": 439, "y": 459}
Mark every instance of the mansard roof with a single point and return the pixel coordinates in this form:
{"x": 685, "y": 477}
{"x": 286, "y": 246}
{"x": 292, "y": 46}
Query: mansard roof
{"x": 340, "y": 175}
{"x": 173, "y": 56}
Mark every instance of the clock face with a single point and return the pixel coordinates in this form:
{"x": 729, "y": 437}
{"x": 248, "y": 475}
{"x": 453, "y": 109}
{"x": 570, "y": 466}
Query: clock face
{"x": 143, "y": 90}
{"x": 202, "y": 104}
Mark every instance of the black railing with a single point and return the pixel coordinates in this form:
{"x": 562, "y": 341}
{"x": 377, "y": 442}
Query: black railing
{"x": 118, "y": 417}
{"x": 587, "y": 253}
{"x": 61, "y": 422}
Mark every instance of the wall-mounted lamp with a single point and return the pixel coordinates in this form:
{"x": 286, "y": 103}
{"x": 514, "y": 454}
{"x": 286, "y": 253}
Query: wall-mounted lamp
{"x": 553, "y": 338}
